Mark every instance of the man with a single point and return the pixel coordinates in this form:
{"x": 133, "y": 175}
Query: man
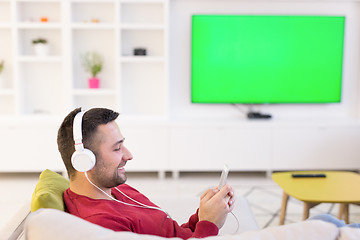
{"x": 100, "y": 195}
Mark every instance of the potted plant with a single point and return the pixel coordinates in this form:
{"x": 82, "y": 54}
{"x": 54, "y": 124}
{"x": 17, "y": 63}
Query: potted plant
{"x": 41, "y": 47}
{"x": 93, "y": 64}
{"x": 1, "y": 69}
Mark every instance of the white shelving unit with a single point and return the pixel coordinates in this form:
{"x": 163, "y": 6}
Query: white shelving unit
{"x": 49, "y": 87}
{"x": 112, "y": 28}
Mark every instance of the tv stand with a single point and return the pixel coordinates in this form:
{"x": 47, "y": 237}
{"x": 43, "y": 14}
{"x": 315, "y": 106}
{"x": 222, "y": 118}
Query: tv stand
{"x": 258, "y": 115}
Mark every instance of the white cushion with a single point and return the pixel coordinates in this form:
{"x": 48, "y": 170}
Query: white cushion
{"x": 308, "y": 230}
{"x": 347, "y": 233}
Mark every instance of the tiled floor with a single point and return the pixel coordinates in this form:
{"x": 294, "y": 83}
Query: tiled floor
{"x": 262, "y": 193}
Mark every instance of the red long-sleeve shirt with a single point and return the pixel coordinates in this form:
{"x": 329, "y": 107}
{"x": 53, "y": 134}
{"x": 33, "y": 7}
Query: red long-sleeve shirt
{"x": 120, "y": 217}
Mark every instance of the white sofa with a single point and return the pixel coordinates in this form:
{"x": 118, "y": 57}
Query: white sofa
{"x": 15, "y": 229}
{"x": 46, "y": 224}
{"x": 54, "y": 224}
{"x": 50, "y": 188}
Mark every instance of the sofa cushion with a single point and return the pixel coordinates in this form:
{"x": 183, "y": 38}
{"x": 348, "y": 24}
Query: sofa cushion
{"x": 49, "y": 191}
{"x": 53, "y": 224}
{"x": 348, "y": 233}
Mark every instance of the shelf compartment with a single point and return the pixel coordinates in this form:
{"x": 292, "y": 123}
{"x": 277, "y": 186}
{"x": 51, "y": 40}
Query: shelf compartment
{"x": 41, "y": 90}
{"x": 34, "y": 11}
{"x": 87, "y": 102}
{"x": 151, "y": 40}
{"x": 6, "y": 55}
{"x": 102, "y": 41}
{"x": 88, "y": 12}
{"x": 6, "y": 83}
{"x": 142, "y": 13}
{"x": 7, "y": 103}
{"x": 26, "y": 36}
{"x": 143, "y": 88}
{"x": 5, "y": 10}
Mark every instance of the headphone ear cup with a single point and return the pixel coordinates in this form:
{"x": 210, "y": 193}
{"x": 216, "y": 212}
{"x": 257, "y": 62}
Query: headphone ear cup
{"x": 83, "y": 161}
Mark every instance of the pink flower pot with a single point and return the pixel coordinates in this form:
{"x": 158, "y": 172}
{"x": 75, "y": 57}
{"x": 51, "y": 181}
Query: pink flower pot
{"x": 94, "y": 82}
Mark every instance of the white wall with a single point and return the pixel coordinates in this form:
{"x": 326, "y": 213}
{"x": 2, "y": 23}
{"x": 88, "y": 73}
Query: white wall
{"x": 180, "y": 46}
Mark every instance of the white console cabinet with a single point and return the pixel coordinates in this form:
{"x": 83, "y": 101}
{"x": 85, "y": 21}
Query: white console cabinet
{"x": 196, "y": 147}
{"x": 163, "y": 146}
{"x": 265, "y": 146}
{"x": 317, "y": 146}
{"x": 29, "y": 146}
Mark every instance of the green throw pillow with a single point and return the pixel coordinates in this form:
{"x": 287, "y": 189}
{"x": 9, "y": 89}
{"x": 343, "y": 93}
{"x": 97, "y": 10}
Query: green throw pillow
{"x": 49, "y": 191}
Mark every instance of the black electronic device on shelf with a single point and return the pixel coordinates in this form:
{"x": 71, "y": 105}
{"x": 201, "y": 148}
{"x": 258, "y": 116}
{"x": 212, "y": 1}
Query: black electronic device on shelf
{"x": 258, "y": 115}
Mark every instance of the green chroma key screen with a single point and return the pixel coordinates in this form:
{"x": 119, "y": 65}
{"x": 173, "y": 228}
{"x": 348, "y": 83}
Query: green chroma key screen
{"x": 266, "y": 59}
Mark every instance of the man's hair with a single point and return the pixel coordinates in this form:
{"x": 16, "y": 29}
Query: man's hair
{"x": 91, "y": 120}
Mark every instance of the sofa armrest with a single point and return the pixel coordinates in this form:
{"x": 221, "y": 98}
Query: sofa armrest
{"x": 14, "y": 229}
{"x": 242, "y": 220}
{"x": 349, "y": 233}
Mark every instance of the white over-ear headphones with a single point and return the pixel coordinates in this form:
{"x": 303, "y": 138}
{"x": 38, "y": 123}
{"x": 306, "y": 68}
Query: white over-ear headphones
{"x": 82, "y": 159}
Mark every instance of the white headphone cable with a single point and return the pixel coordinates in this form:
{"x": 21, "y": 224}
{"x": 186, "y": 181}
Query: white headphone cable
{"x": 236, "y": 219}
{"x": 134, "y": 199}
{"x": 141, "y": 204}
{"x": 129, "y": 204}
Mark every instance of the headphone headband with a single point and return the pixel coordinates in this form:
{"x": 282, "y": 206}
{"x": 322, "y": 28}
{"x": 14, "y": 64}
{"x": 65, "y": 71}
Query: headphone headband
{"x": 77, "y": 130}
{"x": 82, "y": 159}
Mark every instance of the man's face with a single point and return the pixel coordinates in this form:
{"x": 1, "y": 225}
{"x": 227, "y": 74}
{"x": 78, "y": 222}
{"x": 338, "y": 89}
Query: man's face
{"x": 112, "y": 156}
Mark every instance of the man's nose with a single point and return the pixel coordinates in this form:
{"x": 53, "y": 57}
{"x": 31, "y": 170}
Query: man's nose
{"x": 127, "y": 155}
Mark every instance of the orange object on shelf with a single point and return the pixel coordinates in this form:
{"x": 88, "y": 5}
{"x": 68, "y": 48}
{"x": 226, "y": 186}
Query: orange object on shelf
{"x": 43, "y": 19}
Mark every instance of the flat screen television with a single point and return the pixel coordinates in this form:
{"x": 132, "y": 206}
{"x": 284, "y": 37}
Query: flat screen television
{"x": 258, "y": 59}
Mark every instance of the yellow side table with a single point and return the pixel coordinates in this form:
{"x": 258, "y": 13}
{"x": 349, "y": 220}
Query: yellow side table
{"x": 337, "y": 187}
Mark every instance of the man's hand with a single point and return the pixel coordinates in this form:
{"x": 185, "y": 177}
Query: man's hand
{"x": 215, "y": 205}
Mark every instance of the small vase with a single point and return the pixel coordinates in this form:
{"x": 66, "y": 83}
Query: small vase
{"x": 41, "y": 50}
{"x": 94, "y": 82}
